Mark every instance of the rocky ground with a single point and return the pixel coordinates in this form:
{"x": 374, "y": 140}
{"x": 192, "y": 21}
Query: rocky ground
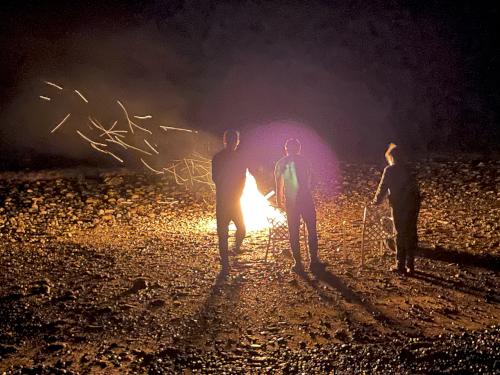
{"x": 115, "y": 272}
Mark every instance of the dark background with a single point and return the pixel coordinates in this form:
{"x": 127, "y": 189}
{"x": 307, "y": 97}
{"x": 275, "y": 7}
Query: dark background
{"x": 359, "y": 73}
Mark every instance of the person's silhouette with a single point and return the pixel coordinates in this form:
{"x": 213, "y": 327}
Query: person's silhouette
{"x": 293, "y": 191}
{"x": 229, "y": 174}
{"x": 400, "y": 185}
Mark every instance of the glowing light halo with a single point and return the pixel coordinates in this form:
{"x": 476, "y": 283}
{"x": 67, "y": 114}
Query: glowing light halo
{"x": 256, "y": 207}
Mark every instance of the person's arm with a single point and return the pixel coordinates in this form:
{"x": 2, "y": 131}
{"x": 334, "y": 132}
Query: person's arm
{"x": 383, "y": 187}
{"x": 215, "y": 169}
{"x": 278, "y": 176}
{"x": 311, "y": 178}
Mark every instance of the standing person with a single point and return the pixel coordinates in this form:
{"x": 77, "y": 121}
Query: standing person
{"x": 229, "y": 174}
{"x": 400, "y": 185}
{"x": 293, "y": 191}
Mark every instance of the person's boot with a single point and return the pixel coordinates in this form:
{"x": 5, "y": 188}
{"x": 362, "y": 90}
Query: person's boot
{"x": 224, "y": 266}
{"x": 297, "y": 268}
{"x": 237, "y": 246}
{"x": 399, "y": 268}
{"x": 410, "y": 268}
{"x": 316, "y": 265}
{"x": 224, "y": 262}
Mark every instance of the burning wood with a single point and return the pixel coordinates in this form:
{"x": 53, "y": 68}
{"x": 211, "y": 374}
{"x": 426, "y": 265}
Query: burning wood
{"x": 258, "y": 212}
{"x": 192, "y": 172}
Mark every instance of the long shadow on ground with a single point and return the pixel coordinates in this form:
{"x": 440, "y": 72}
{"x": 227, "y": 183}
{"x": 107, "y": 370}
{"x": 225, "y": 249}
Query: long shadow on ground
{"x": 351, "y": 296}
{"x": 489, "y": 294}
{"x": 209, "y": 319}
{"x": 486, "y": 261}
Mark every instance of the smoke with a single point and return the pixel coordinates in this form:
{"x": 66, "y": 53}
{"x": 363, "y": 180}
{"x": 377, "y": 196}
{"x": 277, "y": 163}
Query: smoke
{"x": 360, "y": 76}
{"x": 131, "y": 65}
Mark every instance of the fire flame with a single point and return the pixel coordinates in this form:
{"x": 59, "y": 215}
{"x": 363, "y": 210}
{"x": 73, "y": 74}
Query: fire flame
{"x": 256, "y": 207}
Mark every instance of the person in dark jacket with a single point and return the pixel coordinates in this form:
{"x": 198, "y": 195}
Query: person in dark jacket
{"x": 399, "y": 184}
{"x": 229, "y": 175}
{"x": 293, "y": 191}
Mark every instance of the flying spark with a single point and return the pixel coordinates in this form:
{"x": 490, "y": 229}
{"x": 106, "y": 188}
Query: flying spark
{"x": 94, "y": 146}
{"x": 130, "y": 122}
{"x": 81, "y": 96}
{"x": 53, "y": 85}
{"x": 188, "y": 172}
{"x": 166, "y": 128}
{"x": 62, "y": 122}
{"x": 151, "y": 168}
{"x": 90, "y": 140}
{"x": 133, "y": 147}
{"x": 151, "y": 147}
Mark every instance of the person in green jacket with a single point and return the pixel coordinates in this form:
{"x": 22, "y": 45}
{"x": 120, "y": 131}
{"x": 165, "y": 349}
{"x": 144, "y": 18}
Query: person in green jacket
{"x": 293, "y": 191}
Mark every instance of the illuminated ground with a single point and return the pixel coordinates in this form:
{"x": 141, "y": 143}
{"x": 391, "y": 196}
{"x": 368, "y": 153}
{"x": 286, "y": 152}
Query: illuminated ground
{"x": 117, "y": 272}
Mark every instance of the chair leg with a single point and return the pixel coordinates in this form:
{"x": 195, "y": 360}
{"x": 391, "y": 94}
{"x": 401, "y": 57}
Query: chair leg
{"x": 268, "y": 244}
{"x": 304, "y": 235}
{"x": 363, "y": 239}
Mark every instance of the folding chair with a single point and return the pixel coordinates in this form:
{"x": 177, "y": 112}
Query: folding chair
{"x": 377, "y": 231}
{"x": 278, "y": 232}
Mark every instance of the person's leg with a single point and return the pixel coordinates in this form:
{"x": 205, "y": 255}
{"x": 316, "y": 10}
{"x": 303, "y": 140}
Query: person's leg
{"x": 412, "y": 238}
{"x": 239, "y": 222}
{"x": 223, "y": 219}
{"x": 293, "y": 219}
{"x": 401, "y": 243}
{"x": 309, "y": 215}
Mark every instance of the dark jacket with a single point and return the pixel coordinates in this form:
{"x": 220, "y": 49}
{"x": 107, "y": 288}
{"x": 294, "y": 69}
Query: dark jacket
{"x": 400, "y": 185}
{"x": 229, "y": 175}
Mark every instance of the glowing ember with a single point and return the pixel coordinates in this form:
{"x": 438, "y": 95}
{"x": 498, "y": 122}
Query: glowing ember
{"x": 256, "y": 208}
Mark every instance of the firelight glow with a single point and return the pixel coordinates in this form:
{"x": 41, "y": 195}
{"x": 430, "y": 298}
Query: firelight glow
{"x": 256, "y": 207}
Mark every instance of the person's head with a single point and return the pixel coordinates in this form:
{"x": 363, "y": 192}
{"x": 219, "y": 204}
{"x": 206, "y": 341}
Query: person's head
{"x": 292, "y": 146}
{"x": 231, "y": 139}
{"x": 393, "y": 154}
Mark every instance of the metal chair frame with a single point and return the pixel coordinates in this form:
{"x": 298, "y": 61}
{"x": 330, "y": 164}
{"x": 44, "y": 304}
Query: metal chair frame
{"x": 278, "y": 232}
{"x": 378, "y": 228}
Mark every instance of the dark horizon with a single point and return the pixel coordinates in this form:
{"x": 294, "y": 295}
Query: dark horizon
{"x": 358, "y": 75}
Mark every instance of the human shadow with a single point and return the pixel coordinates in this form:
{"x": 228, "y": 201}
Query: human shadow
{"x": 486, "y": 261}
{"x": 210, "y": 318}
{"x": 459, "y": 285}
{"x": 334, "y": 282}
{"x": 350, "y": 295}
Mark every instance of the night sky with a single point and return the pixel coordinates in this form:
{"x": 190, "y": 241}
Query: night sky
{"x": 360, "y": 74}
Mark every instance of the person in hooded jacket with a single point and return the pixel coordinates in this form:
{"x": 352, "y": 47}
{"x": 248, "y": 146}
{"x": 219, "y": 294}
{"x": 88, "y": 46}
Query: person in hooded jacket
{"x": 399, "y": 184}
